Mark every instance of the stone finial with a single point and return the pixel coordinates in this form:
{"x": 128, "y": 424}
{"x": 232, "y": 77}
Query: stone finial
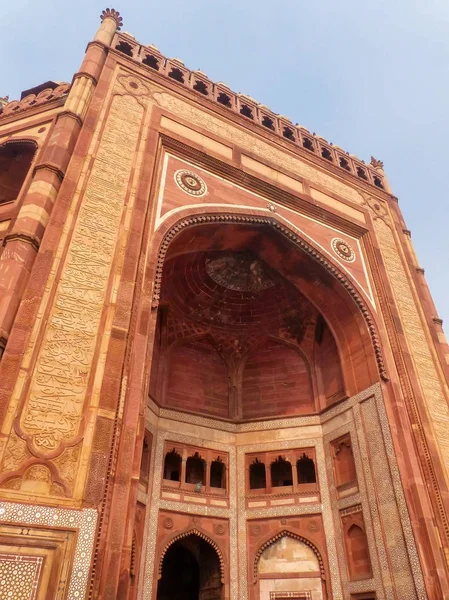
{"x": 376, "y": 163}
{"x": 111, "y": 13}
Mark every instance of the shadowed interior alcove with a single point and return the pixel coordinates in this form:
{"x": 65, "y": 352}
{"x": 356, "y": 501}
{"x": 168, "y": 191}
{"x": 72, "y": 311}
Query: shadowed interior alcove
{"x": 191, "y": 570}
{"x": 15, "y": 162}
{"x": 250, "y": 327}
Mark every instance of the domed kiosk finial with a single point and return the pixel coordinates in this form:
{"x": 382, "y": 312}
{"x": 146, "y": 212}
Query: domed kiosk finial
{"x": 111, "y": 13}
{"x": 377, "y": 164}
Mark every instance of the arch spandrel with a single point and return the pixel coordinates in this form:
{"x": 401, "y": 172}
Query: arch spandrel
{"x": 340, "y": 241}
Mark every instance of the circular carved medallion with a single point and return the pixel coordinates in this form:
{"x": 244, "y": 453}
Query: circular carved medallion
{"x": 168, "y": 523}
{"x": 343, "y": 250}
{"x": 220, "y": 529}
{"x": 190, "y": 182}
{"x": 312, "y": 526}
{"x": 256, "y": 529}
{"x": 283, "y": 521}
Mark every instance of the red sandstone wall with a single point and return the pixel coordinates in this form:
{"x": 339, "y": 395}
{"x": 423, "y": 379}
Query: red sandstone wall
{"x": 197, "y": 379}
{"x": 276, "y": 381}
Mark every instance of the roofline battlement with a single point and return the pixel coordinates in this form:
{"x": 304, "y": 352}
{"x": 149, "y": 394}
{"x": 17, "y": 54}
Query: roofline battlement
{"x": 240, "y": 104}
{"x": 243, "y": 105}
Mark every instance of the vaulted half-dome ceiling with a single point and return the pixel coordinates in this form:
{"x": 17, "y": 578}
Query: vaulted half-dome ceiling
{"x": 246, "y": 327}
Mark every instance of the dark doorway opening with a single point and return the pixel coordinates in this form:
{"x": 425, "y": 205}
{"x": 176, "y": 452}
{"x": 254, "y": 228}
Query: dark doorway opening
{"x": 190, "y": 571}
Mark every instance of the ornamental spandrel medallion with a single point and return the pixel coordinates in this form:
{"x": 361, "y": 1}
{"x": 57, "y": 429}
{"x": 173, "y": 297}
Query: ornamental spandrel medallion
{"x": 343, "y": 250}
{"x": 190, "y": 183}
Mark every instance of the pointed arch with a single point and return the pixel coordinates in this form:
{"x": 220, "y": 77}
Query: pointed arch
{"x": 295, "y": 536}
{"x": 200, "y": 534}
{"x": 288, "y": 233}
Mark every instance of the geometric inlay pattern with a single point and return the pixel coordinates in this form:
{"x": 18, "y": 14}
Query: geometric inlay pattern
{"x": 19, "y": 576}
{"x": 291, "y": 595}
{"x": 84, "y": 521}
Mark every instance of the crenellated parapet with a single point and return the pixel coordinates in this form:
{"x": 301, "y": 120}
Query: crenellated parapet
{"x": 241, "y": 104}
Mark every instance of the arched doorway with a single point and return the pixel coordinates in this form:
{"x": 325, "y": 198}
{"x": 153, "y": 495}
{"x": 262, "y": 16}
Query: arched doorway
{"x": 190, "y": 571}
{"x": 289, "y": 568}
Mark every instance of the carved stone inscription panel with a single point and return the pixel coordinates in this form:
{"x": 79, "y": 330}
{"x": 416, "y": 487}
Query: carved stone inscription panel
{"x": 53, "y": 410}
{"x": 433, "y": 397}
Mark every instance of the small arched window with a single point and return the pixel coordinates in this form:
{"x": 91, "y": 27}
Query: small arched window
{"x": 281, "y": 473}
{"x": 305, "y": 468}
{"x": 172, "y": 466}
{"x": 218, "y": 474}
{"x": 224, "y": 99}
{"x": 246, "y": 111}
{"x": 151, "y": 61}
{"x": 326, "y": 153}
{"x": 15, "y": 162}
{"x": 344, "y": 164}
{"x": 288, "y": 133}
{"x": 345, "y": 472}
{"x": 177, "y": 75}
{"x": 308, "y": 144}
{"x": 195, "y": 469}
{"x": 378, "y": 182}
{"x": 201, "y": 87}
{"x": 361, "y": 173}
{"x": 125, "y": 48}
{"x": 257, "y": 475}
{"x": 267, "y": 122}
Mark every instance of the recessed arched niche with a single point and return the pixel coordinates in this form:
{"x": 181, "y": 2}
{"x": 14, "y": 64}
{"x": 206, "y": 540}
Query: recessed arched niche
{"x": 15, "y": 163}
{"x": 250, "y": 326}
{"x": 289, "y": 565}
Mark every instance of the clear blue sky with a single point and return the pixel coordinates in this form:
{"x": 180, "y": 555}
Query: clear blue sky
{"x": 372, "y": 77}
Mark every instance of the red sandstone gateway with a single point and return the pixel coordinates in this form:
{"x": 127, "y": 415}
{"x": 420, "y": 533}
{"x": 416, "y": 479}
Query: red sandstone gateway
{"x": 222, "y": 373}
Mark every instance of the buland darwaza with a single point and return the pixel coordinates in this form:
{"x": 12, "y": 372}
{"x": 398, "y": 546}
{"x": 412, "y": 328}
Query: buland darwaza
{"x": 222, "y": 374}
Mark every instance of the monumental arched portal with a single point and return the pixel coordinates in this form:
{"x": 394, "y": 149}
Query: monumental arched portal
{"x": 222, "y": 375}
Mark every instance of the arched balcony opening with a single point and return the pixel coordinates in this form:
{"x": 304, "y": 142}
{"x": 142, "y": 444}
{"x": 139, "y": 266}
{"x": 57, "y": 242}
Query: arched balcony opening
{"x": 217, "y": 474}
{"x": 257, "y": 476}
{"x": 172, "y": 466}
{"x": 196, "y": 470}
{"x": 305, "y": 468}
{"x": 281, "y": 473}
